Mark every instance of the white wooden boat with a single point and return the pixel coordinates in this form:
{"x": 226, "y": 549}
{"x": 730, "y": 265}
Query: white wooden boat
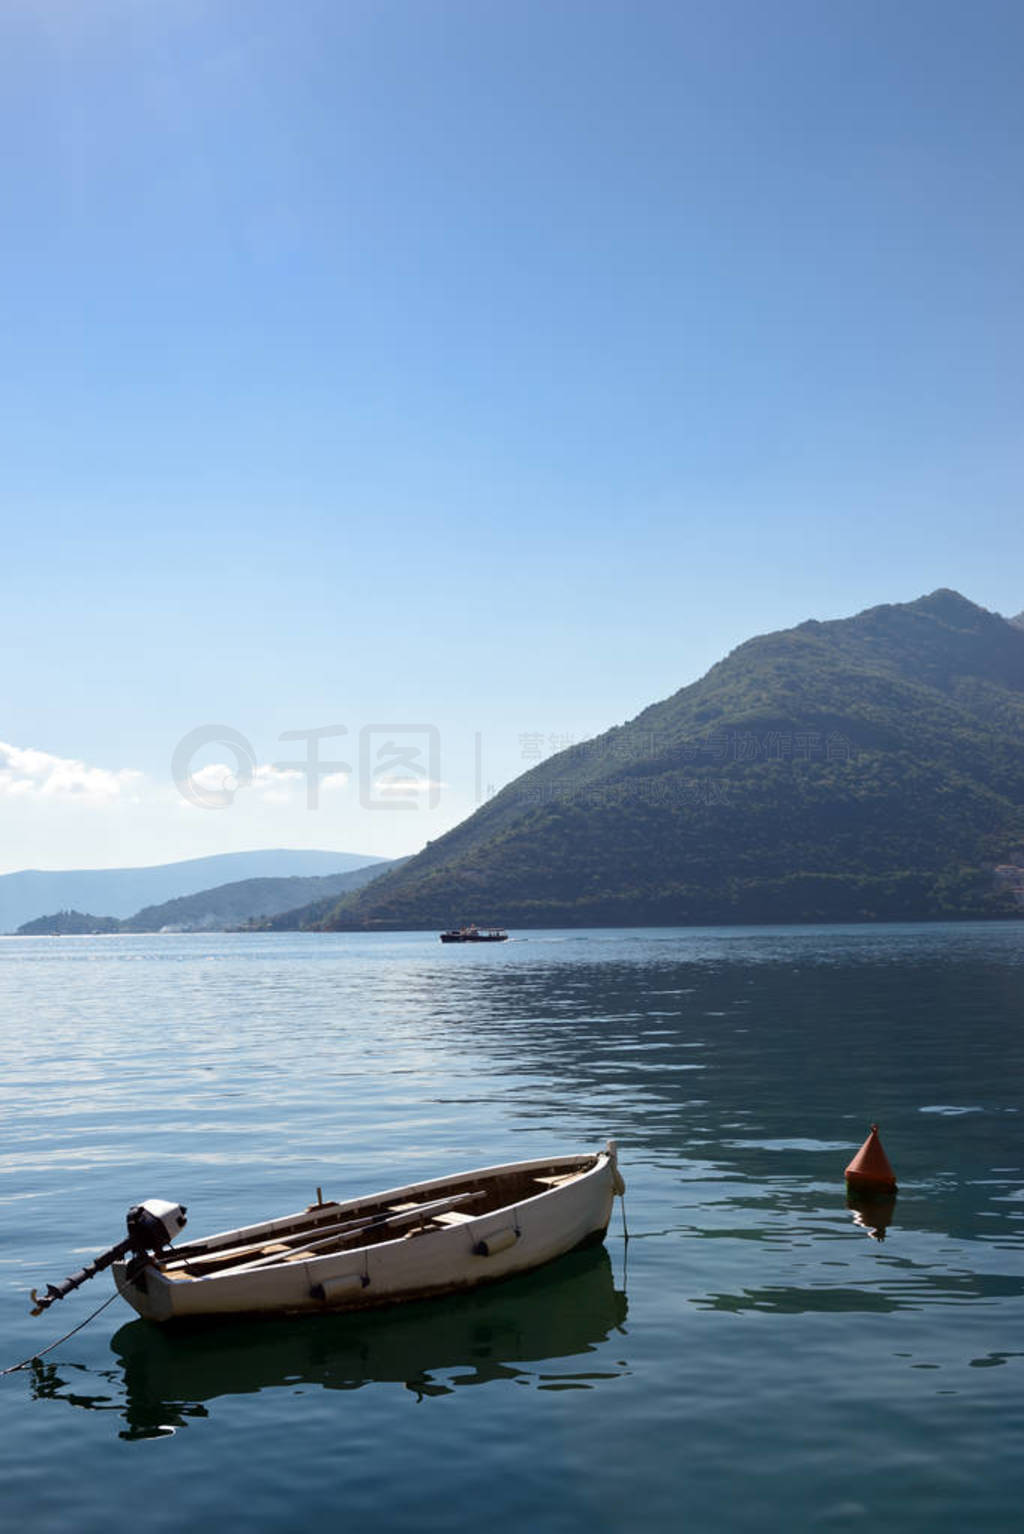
{"x": 428, "y": 1238}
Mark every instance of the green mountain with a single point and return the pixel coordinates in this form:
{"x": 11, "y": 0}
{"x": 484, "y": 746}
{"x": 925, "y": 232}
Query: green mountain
{"x": 869, "y": 768}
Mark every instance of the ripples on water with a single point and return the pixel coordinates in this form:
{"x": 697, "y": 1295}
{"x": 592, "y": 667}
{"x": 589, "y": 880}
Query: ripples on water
{"x": 757, "y": 1358}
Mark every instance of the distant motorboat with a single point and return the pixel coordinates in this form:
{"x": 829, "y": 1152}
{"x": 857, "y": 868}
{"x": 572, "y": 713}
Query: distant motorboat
{"x": 474, "y": 934}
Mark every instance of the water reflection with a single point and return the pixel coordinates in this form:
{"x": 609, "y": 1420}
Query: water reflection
{"x": 729, "y": 1053}
{"x": 899, "y": 1285}
{"x": 873, "y": 1215}
{"x": 524, "y": 1330}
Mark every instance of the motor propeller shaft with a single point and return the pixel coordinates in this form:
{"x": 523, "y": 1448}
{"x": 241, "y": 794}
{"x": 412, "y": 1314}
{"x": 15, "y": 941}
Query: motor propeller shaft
{"x": 58, "y": 1291}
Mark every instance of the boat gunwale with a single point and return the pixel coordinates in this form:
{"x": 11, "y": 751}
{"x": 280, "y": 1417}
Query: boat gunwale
{"x": 589, "y": 1164}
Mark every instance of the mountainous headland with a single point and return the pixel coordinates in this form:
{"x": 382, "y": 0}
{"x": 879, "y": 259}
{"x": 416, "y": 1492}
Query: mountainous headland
{"x": 224, "y": 908}
{"x": 868, "y": 768}
{"x": 122, "y": 892}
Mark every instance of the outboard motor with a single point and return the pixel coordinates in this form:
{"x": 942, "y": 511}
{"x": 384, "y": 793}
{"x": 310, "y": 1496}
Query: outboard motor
{"x": 151, "y": 1226}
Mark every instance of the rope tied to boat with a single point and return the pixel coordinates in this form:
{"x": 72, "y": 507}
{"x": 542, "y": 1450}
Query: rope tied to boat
{"x": 40, "y": 1352}
{"x": 611, "y": 1150}
{"x": 618, "y": 1184}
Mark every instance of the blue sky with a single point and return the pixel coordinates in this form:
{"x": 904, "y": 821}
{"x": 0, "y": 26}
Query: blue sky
{"x": 493, "y": 366}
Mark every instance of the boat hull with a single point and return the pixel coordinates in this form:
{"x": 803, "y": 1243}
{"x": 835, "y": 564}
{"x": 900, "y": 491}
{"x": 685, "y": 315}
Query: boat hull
{"x": 413, "y": 1264}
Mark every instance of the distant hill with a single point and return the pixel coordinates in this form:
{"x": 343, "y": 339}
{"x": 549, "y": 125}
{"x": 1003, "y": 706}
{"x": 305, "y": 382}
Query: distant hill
{"x": 249, "y": 900}
{"x": 228, "y": 906}
{"x": 312, "y": 916}
{"x": 123, "y": 891}
{"x": 69, "y": 924}
{"x": 871, "y": 767}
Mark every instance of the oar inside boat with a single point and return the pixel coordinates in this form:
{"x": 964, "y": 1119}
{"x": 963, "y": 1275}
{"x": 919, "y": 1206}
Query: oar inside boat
{"x": 152, "y": 1225}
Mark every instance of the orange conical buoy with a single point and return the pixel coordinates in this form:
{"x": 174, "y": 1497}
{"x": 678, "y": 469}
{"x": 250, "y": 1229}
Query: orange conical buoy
{"x": 869, "y": 1171}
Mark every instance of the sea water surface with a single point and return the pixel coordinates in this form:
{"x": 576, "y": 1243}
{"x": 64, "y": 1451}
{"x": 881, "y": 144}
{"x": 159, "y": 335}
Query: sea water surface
{"x": 754, "y": 1358}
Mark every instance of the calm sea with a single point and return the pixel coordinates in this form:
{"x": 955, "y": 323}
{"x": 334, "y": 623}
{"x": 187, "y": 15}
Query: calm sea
{"x": 753, "y": 1358}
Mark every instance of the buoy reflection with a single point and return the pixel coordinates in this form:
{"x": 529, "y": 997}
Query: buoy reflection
{"x": 873, "y": 1214}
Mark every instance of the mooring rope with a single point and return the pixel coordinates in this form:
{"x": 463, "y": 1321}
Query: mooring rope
{"x": 26, "y": 1362}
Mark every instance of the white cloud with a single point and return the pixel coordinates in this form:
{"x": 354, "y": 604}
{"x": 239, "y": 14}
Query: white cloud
{"x": 406, "y": 786}
{"x": 217, "y": 783}
{"x": 274, "y": 785}
{"x": 334, "y": 780}
{"x": 26, "y": 773}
